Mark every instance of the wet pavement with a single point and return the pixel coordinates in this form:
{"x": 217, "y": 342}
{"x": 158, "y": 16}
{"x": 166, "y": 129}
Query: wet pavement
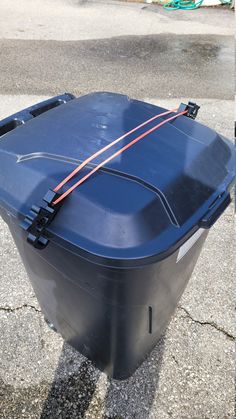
{"x": 165, "y": 65}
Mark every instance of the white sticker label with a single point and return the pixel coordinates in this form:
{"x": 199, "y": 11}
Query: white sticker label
{"x": 189, "y": 243}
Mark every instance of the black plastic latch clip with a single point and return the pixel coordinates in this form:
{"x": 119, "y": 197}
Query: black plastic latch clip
{"x": 39, "y": 218}
{"x": 192, "y": 109}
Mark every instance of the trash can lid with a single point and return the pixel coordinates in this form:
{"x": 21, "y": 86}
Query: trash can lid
{"x": 140, "y": 205}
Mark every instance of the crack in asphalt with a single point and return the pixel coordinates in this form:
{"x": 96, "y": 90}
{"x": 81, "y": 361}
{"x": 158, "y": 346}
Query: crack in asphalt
{"x": 202, "y": 323}
{"x": 207, "y": 323}
{"x": 12, "y": 310}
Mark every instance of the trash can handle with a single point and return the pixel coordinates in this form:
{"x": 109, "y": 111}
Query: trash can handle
{"x": 215, "y": 211}
{"x": 20, "y": 118}
{"x": 10, "y": 123}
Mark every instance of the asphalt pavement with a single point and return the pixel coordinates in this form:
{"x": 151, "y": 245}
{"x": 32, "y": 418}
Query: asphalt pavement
{"x": 81, "y": 46}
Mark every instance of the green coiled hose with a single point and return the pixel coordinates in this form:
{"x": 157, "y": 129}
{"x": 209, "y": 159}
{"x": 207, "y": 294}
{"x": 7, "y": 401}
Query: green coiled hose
{"x": 187, "y": 4}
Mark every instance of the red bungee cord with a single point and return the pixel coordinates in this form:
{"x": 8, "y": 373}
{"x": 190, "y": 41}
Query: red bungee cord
{"x": 117, "y": 153}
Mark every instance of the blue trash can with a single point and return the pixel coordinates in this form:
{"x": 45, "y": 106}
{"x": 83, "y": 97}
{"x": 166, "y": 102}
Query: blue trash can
{"x": 112, "y": 264}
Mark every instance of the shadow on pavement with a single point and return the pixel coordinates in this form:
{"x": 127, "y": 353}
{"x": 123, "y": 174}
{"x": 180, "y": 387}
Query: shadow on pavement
{"x": 73, "y": 387}
{"x": 134, "y": 397}
{"x": 76, "y": 380}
